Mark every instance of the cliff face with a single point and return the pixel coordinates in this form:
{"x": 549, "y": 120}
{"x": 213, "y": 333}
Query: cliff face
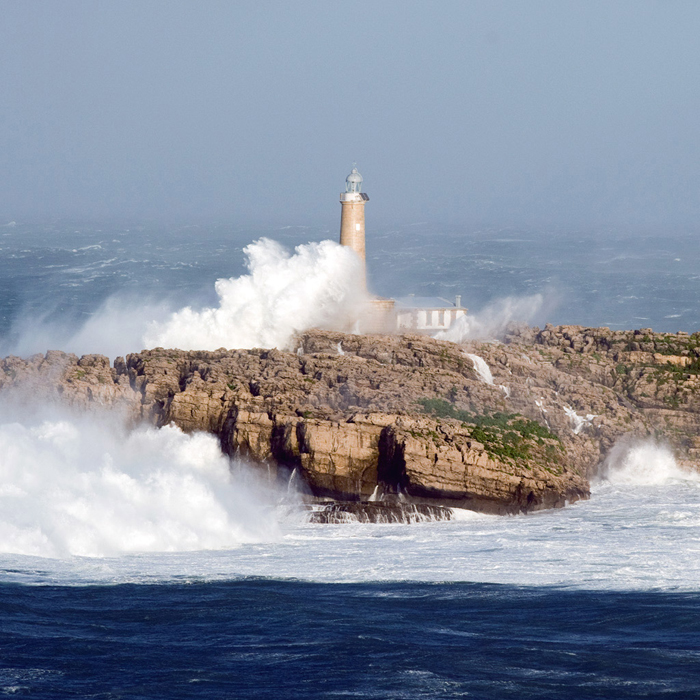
{"x": 404, "y": 416}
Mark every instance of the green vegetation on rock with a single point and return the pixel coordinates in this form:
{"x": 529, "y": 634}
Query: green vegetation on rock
{"x": 508, "y": 436}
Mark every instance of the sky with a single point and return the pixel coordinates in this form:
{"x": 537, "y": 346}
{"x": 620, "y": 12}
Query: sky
{"x": 521, "y": 112}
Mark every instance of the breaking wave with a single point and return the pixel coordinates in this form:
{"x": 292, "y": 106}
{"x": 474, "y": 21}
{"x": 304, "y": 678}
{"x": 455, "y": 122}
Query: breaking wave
{"x": 79, "y": 485}
{"x": 644, "y": 463}
{"x": 317, "y": 286}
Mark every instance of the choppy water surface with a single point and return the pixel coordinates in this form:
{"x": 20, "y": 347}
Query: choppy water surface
{"x": 272, "y": 639}
{"x": 54, "y": 277}
{"x": 600, "y": 599}
{"x": 138, "y": 566}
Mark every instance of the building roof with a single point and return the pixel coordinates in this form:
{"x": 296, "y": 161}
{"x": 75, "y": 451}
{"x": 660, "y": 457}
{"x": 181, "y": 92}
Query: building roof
{"x": 413, "y": 302}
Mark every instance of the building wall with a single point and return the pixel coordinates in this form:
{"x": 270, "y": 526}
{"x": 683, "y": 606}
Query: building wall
{"x": 379, "y": 316}
{"x": 427, "y": 319}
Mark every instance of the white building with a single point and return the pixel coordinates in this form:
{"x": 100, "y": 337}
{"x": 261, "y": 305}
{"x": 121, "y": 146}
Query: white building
{"x": 427, "y": 314}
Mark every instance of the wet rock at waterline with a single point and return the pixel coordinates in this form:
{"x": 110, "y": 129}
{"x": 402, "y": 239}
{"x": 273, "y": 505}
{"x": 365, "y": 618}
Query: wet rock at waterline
{"x": 407, "y": 414}
{"x": 370, "y": 512}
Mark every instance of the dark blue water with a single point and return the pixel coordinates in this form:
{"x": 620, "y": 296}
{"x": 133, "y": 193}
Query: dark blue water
{"x": 273, "y": 639}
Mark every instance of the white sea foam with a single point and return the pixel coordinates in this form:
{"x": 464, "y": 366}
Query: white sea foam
{"x": 317, "y": 286}
{"x": 157, "y": 505}
{"x": 634, "y": 535}
{"x": 84, "y": 485}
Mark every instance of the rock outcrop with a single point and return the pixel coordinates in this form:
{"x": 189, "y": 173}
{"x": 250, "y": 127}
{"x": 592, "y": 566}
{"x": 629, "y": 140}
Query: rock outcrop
{"x": 408, "y": 417}
{"x": 378, "y": 512}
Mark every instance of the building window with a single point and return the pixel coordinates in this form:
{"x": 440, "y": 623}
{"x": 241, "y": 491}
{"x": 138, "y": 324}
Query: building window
{"x": 441, "y": 318}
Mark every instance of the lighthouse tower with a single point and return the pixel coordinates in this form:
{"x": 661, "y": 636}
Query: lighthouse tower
{"x": 378, "y": 315}
{"x": 352, "y": 217}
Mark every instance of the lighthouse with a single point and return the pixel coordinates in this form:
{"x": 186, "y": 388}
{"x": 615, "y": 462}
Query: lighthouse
{"x": 378, "y": 314}
{"x": 352, "y": 217}
{"x": 411, "y": 314}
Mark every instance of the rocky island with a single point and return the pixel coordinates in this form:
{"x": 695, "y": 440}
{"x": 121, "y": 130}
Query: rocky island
{"x": 369, "y": 420}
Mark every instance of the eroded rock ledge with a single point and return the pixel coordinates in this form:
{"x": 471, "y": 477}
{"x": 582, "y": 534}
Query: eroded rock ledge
{"x": 378, "y": 512}
{"x": 407, "y": 416}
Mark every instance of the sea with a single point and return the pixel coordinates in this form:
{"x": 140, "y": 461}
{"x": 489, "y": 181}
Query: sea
{"x": 142, "y": 563}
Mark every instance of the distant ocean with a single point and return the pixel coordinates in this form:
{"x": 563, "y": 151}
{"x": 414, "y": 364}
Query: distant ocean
{"x": 138, "y": 567}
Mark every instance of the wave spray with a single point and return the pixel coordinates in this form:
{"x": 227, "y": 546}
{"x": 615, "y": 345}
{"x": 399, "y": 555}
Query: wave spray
{"x": 84, "y": 485}
{"x": 318, "y": 286}
{"x": 644, "y": 463}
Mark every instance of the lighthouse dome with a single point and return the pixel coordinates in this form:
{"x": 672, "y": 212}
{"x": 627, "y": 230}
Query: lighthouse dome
{"x": 353, "y": 182}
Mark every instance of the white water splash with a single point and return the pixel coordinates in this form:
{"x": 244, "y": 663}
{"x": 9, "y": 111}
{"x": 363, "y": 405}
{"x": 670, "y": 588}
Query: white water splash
{"x": 295, "y": 485}
{"x": 481, "y": 367}
{"x": 644, "y": 463}
{"x": 578, "y": 422}
{"x": 319, "y": 286}
{"x": 339, "y": 348}
{"x": 484, "y": 372}
{"x": 493, "y": 320}
{"x": 635, "y": 532}
{"x": 79, "y": 485}
{"x": 116, "y": 328}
